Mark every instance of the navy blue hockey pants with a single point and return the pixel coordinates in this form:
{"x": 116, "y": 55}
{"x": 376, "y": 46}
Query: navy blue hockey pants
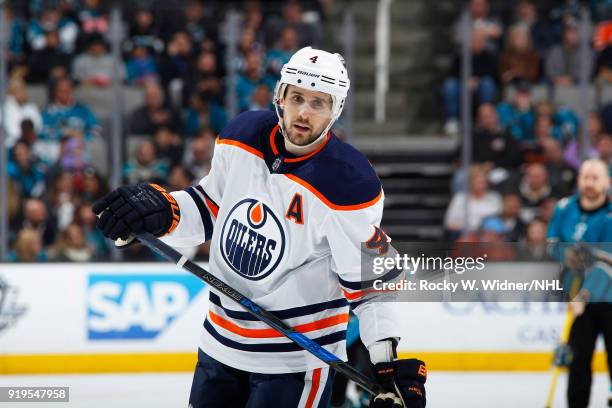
{"x": 218, "y": 385}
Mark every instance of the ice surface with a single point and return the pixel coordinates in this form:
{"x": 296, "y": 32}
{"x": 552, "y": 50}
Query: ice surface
{"x": 444, "y": 389}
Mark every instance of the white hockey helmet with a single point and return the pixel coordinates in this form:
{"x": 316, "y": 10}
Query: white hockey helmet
{"x": 315, "y": 70}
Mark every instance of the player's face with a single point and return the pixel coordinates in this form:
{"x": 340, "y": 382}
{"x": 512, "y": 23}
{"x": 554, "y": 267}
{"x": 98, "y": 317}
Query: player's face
{"x": 593, "y": 180}
{"x": 305, "y": 114}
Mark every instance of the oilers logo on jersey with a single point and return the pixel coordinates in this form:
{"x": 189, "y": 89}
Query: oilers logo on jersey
{"x": 252, "y": 239}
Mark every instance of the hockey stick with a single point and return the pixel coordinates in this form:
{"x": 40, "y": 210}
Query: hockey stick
{"x": 569, "y": 318}
{"x": 301, "y": 340}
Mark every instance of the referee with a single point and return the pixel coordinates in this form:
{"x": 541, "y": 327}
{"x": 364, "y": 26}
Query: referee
{"x": 586, "y": 218}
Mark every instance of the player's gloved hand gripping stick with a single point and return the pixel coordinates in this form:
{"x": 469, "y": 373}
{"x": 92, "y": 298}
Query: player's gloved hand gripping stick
{"x": 145, "y": 211}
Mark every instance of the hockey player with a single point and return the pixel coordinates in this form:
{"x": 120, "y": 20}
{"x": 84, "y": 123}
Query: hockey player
{"x": 587, "y": 218}
{"x": 287, "y": 206}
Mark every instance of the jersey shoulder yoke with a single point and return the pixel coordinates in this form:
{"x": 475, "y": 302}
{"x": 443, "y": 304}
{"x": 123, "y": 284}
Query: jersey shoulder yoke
{"x": 246, "y": 129}
{"x": 341, "y": 177}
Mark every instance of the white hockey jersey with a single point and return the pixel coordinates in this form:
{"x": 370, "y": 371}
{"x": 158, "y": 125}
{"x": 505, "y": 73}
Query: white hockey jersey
{"x": 286, "y": 232}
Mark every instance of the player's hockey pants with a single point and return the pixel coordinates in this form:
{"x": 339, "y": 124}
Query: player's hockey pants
{"x": 596, "y": 319}
{"x": 218, "y": 385}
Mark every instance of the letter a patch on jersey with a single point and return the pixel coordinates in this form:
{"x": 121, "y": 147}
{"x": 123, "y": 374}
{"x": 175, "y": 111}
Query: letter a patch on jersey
{"x": 379, "y": 241}
{"x": 295, "y": 211}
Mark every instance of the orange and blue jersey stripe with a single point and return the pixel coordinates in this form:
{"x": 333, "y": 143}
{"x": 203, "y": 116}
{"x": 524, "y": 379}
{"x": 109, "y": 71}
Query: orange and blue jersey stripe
{"x": 229, "y": 320}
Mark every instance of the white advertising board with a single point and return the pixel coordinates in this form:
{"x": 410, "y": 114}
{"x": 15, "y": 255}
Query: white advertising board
{"x": 155, "y": 310}
{"x": 86, "y": 308}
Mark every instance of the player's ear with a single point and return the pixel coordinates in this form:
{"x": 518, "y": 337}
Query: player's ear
{"x": 280, "y": 105}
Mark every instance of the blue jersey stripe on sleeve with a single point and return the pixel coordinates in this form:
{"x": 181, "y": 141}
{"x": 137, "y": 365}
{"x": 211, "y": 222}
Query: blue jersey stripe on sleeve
{"x": 206, "y": 220}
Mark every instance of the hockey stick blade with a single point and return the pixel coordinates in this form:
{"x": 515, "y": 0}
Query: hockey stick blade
{"x": 270, "y": 319}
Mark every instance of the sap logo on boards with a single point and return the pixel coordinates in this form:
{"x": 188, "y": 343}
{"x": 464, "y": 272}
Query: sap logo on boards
{"x": 136, "y": 306}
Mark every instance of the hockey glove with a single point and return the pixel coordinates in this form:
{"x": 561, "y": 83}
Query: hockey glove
{"x": 404, "y": 381}
{"x": 137, "y": 208}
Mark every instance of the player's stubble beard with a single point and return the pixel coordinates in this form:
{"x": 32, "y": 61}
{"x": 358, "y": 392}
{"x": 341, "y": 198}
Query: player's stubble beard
{"x": 302, "y": 138}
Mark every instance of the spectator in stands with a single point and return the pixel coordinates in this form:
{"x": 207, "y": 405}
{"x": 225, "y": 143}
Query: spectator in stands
{"x": 604, "y": 149}
{"x": 261, "y": 98}
{"x": 154, "y": 114}
{"x": 204, "y": 77}
{"x": 278, "y": 56}
{"x": 572, "y": 152}
{"x": 511, "y": 209}
{"x": 92, "y": 18}
{"x": 28, "y": 133}
{"x": 86, "y": 219}
{"x": 493, "y": 149}
{"x": 563, "y": 62}
{"x": 201, "y": 150}
{"x": 253, "y": 19}
{"x": 490, "y": 27}
{"x": 547, "y": 208}
{"x": 491, "y": 144}
{"x": 249, "y": 79}
{"x": 62, "y": 198}
{"x": 482, "y": 83}
{"x": 94, "y": 187}
{"x": 143, "y": 33}
{"x": 29, "y": 136}
{"x": 67, "y": 8}
{"x": 26, "y": 171}
{"x": 51, "y": 23}
{"x": 604, "y": 67}
{"x": 180, "y": 178}
{"x": 95, "y": 66}
{"x": 544, "y": 129}
{"x": 562, "y": 176}
{"x": 36, "y": 217}
{"x": 519, "y": 61}
{"x": 492, "y": 230}
{"x": 52, "y": 40}
{"x": 200, "y": 27}
{"x": 141, "y": 66}
{"x": 536, "y": 232}
{"x": 248, "y": 42}
{"x": 15, "y": 52}
{"x": 512, "y": 227}
{"x": 168, "y": 146}
{"x": 568, "y": 123}
{"x": 65, "y": 117}
{"x": 309, "y": 33}
{"x": 14, "y": 204}
{"x": 203, "y": 111}
{"x": 16, "y": 109}
{"x": 518, "y": 116}
{"x": 145, "y": 167}
{"x": 534, "y": 246}
{"x": 560, "y": 123}
{"x": 541, "y": 34}
{"x": 492, "y": 234}
{"x": 73, "y": 155}
{"x": 71, "y": 246}
{"x": 482, "y": 203}
{"x": 28, "y": 247}
{"x": 533, "y": 189}
{"x": 176, "y": 62}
